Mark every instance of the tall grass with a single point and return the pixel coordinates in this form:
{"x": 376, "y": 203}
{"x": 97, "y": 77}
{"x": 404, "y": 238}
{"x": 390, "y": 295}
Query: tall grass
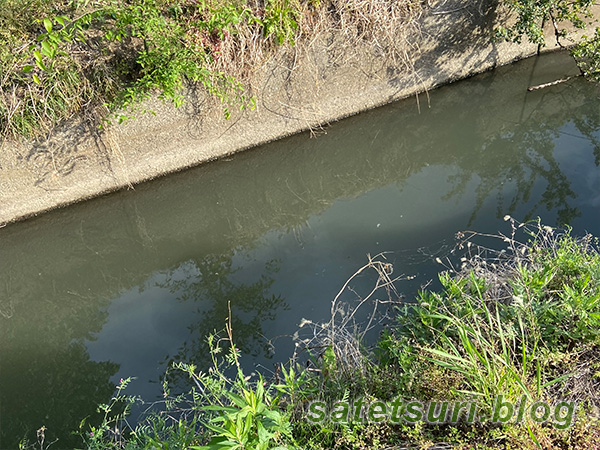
{"x": 61, "y": 57}
{"x": 520, "y": 322}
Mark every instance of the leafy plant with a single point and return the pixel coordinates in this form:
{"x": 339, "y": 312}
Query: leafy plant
{"x": 532, "y": 15}
{"x": 242, "y": 415}
{"x": 586, "y": 54}
{"x": 110, "y": 432}
{"x": 252, "y": 422}
{"x": 281, "y": 20}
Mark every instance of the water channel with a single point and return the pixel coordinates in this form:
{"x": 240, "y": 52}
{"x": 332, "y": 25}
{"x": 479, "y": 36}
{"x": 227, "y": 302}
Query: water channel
{"x": 128, "y": 283}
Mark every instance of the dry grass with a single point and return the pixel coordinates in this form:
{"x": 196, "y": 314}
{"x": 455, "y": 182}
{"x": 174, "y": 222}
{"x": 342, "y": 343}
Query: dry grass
{"x": 227, "y": 42}
{"x": 342, "y": 337}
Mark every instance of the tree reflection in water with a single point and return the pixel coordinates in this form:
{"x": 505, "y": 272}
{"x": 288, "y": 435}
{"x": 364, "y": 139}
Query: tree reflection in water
{"x": 211, "y": 282}
{"x": 47, "y": 376}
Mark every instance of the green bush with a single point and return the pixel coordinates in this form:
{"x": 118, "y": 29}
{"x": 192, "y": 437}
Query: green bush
{"x": 533, "y": 15}
{"x": 60, "y": 57}
{"x": 515, "y": 323}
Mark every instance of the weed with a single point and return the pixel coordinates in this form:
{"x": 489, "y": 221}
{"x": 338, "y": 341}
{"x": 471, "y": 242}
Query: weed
{"x": 518, "y": 324}
{"x": 61, "y": 57}
{"x": 111, "y": 431}
{"x": 521, "y": 322}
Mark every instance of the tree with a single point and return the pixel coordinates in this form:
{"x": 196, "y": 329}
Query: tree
{"x": 533, "y": 15}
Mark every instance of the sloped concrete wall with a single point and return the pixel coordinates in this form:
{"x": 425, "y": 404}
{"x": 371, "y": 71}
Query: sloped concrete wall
{"x": 300, "y": 88}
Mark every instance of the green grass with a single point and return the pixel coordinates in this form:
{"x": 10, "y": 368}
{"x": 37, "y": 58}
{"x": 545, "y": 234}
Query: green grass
{"x": 520, "y": 323}
{"x": 59, "y": 58}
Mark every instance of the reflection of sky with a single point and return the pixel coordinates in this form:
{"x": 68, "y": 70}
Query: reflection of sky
{"x": 147, "y": 325}
{"x": 573, "y": 153}
{"x": 142, "y": 328}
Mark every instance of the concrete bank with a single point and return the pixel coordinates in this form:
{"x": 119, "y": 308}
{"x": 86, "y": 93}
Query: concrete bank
{"x": 300, "y": 88}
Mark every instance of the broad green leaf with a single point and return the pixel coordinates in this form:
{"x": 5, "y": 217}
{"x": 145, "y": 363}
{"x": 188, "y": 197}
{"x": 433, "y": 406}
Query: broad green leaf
{"x": 48, "y": 25}
{"x": 48, "y": 49}
{"x": 39, "y": 61}
{"x": 239, "y": 401}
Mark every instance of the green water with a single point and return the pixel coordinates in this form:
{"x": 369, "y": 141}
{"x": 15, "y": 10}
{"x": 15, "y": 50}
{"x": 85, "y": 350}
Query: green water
{"x": 125, "y": 284}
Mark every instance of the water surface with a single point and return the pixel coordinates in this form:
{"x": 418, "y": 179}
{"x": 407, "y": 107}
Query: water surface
{"x": 126, "y": 284}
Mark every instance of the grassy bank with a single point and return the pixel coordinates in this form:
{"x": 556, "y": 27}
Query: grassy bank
{"x": 515, "y": 326}
{"x": 94, "y": 58}
{"x": 98, "y": 59}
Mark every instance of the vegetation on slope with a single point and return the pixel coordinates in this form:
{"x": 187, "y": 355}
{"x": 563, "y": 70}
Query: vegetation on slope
{"x": 100, "y": 58}
{"x": 520, "y": 324}
{"x": 64, "y": 57}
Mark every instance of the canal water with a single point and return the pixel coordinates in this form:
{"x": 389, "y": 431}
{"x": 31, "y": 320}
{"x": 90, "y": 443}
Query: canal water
{"x": 126, "y": 284}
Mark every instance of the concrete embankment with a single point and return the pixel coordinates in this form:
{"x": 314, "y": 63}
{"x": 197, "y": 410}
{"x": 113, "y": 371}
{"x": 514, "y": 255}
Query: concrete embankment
{"x": 299, "y": 88}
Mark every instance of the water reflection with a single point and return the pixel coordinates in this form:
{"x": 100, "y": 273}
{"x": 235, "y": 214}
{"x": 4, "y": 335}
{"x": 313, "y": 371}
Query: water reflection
{"x": 210, "y": 283}
{"x": 125, "y": 284}
{"x": 47, "y": 377}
